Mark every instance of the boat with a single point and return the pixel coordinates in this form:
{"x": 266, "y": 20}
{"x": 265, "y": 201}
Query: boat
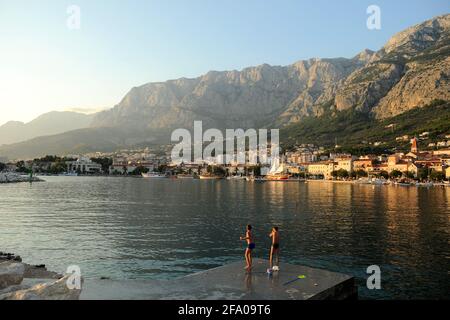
{"x": 378, "y": 182}
{"x": 209, "y": 177}
{"x": 276, "y": 172}
{"x": 68, "y": 174}
{"x": 154, "y": 175}
{"x": 402, "y": 184}
{"x": 425, "y": 184}
{"x": 363, "y": 181}
{"x": 185, "y": 176}
{"x": 237, "y": 178}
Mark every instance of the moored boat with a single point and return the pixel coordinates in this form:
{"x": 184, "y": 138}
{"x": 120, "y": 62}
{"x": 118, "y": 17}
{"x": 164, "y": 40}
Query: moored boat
{"x": 154, "y": 175}
{"x": 185, "y": 176}
{"x": 277, "y": 172}
{"x": 237, "y": 178}
{"x": 403, "y": 184}
{"x": 68, "y": 174}
{"x": 209, "y": 177}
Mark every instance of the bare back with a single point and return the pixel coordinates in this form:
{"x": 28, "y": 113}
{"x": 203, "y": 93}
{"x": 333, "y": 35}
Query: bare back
{"x": 275, "y": 235}
{"x": 249, "y": 237}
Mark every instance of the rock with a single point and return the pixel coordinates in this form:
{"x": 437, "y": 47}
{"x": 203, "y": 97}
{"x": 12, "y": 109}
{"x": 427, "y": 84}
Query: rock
{"x": 57, "y": 290}
{"x": 12, "y": 177}
{"x": 9, "y": 256}
{"x": 40, "y": 272}
{"x": 11, "y": 274}
{"x": 14, "y": 288}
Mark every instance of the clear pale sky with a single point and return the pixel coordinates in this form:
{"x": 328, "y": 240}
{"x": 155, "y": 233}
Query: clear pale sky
{"x": 45, "y": 66}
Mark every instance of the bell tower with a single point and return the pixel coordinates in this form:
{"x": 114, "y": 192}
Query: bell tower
{"x": 414, "y": 147}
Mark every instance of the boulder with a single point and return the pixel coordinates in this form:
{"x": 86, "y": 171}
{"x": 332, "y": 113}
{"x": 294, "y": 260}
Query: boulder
{"x": 11, "y": 274}
{"x": 57, "y": 290}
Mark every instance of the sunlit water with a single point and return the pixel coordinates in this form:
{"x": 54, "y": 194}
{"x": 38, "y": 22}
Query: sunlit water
{"x": 128, "y": 228}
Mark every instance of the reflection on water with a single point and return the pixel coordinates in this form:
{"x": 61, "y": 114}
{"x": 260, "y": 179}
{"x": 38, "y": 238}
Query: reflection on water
{"x": 137, "y": 228}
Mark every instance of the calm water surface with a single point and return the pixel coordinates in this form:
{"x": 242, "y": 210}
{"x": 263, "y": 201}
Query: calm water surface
{"x": 128, "y": 228}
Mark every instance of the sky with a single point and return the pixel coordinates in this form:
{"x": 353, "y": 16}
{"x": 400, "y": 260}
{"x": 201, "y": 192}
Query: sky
{"x": 47, "y": 63}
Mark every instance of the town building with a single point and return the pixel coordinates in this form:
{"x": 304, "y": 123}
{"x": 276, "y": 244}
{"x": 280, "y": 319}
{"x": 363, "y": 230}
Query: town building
{"x": 83, "y": 165}
{"x": 344, "y": 163}
{"x": 127, "y": 167}
{"x": 324, "y": 168}
{"x": 363, "y": 163}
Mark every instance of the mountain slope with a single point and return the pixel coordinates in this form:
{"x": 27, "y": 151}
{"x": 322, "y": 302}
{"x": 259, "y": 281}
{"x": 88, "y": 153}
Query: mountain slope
{"x": 252, "y": 97}
{"x": 46, "y": 124}
{"x": 357, "y": 132}
{"x": 410, "y": 71}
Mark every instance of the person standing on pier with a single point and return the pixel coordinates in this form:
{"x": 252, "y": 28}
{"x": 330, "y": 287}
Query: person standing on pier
{"x": 250, "y": 246}
{"x": 275, "y": 248}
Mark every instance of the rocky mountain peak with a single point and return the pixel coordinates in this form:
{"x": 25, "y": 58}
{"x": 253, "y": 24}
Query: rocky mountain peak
{"x": 419, "y": 37}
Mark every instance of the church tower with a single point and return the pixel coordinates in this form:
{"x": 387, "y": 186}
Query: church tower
{"x": 414, "y": 148}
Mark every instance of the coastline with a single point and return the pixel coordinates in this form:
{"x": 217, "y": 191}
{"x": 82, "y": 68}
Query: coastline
{"x": 22, "y": 281}
{"x": 12, "y": 177}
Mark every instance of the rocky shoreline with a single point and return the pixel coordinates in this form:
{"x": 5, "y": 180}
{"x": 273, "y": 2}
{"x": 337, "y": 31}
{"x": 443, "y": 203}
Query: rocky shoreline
{"x": 12, "y": 177}
{"x": 22, "y": 281}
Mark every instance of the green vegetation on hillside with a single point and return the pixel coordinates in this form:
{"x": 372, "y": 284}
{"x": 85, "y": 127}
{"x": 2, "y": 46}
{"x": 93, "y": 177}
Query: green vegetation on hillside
{"x": 357, "y": 132}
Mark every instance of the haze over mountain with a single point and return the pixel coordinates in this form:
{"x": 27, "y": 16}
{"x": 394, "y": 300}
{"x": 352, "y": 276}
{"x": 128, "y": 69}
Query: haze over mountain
{"x": 46, "y": 124}
{"x": 410, "y": 71}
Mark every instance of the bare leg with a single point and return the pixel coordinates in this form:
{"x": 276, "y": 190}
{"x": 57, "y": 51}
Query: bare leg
{"x": 246, "y": 259}
{"x": 250, "y": 259}
{"x": 271, "y": 258}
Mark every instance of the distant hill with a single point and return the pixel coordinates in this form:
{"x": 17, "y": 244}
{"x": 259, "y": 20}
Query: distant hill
{"x": 44, "y": 125}
{"x": 82, "y": 141}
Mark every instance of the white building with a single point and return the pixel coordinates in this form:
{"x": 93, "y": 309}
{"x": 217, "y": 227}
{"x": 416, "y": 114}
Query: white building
{"x": 83, "y": 165}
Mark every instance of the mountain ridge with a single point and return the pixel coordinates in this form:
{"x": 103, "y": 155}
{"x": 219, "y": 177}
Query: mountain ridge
{"x": 49, "y": 123}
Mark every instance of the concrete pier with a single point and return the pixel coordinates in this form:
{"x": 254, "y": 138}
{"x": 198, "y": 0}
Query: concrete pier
{"x": 232, "y": 282}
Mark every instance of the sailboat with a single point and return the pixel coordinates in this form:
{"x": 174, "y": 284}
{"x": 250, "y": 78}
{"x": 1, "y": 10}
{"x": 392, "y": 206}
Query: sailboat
{"x": 276, "y": 172}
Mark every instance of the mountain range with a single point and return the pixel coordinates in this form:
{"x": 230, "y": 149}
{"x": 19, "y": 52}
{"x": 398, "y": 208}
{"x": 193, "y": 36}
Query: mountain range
{"x": 47, "y": 124}
{"x": 411, "y": 71}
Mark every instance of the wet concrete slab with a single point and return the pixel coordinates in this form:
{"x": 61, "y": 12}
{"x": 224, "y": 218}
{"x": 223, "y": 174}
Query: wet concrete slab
{"x": 231, "y": 282}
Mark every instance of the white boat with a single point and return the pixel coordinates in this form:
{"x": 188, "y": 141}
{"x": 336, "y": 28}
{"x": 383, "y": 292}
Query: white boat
{"x": 237, "y": 178}
{"x": 154, "y": 175}
{"x": 402, "y": 184}
{"x": 378, "y": 181}
{"x": 425, "y": 184}
{"x": 185, "y": 176}
{"x": 69, "y": 174}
